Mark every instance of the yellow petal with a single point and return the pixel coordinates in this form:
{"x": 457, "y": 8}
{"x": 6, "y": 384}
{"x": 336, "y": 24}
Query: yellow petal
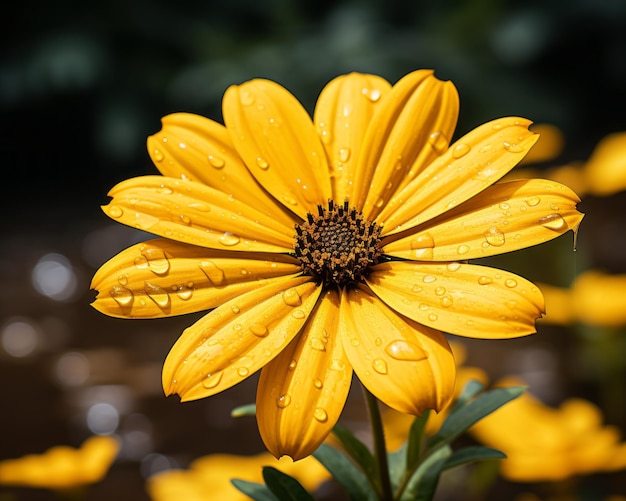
{"x": 162, "y": 277}
{"x": 412, "y": 127}
{"x": 238, "y": 338}
{"x": 505, "y": 217}
{"x": 470, "y": 165}
{"x": 598, "y": 298}
{"x": 342, "y": 114}
{"x": 302, "y": 391}
{"x": 198, "y": 149}
{"x": 276, "y": 138}
{"x": 463, "y": 299}
{"x": 192, "y": 213}
{"x": 407, "y": 366}
{"x": 548, "y": 147}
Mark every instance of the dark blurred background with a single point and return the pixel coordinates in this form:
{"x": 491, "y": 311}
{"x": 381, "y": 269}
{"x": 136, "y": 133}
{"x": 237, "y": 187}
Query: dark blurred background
{"x": 83, "y": 83}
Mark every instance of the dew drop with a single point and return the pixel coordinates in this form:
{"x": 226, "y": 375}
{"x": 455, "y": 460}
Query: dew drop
{"x": 164, "y": 190}
{"x": 429, "y": 278}
{"x": 454, "y": 266}
{"x": 213, "y": 272}
{"x": 298, "y": 314}
{"x": 158, "y": 156}
{"x": 262, "y": 163}
{"x": 337, "y": 365}
{"x": 318, "y": 383}
{"x": 158, "y": 294}
{"x": 462, "y": 249}
{"x": 553, "y": 221}
{"x": 440, "y": 291}
{"x": 320, "y": 414}
{"x": 235, "y": 309}
{"x": 247, "y": 99}
{"x": 184, "y": 219}
{"x": 115, "y": 211}
{"x": 460, "y": 150}
{"x": 292, "y": 365}
{"x": 291, "y": 297}
{"x": 199, "y": 206}
{"x": 344, "y": 154}
{"x": 509, "y": 282}
{"x": 157, "y": 261}
{"x": 123, "y": 279}
{"x": 379, "y": 203}
{"x": 532, "y": 201}
{"x": 243, "y": 371}
{"x": 212, "y": 380}
{"x": 404, "y": 350}
{"x": 259, "y": 329}
{"x": 512, "y": 147}
{"x": 422, "y": 246}
{"x": 228, "y": 239}
{"x": 494, "y": 237}
{"x": 122, "y": 295}
{"x": 283, "y": 401}
{"x": 216, "y": 162}
{"x": 438, "y": 142}
{"x": 380, "y": 366}
{"x": 485, "y": 280}
{"x": 317, "y": 344}
{"x": 446, "y": 301}
{"x": 432, "y": 317}
{"x": 185, "y": 292}
{"x": 288, "y": 199}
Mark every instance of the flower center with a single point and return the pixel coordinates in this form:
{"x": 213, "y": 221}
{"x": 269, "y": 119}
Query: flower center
{"x": 338, "y": 245}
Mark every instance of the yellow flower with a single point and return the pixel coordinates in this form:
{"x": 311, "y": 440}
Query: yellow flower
{"x": 605, "y": 172}
{"x": 209, "y": 477}
{"x": 547, "y": 444}
{"x": 330, "y": 246}
{"x": 62, "y": 467}
{"x": 595, "y": 298}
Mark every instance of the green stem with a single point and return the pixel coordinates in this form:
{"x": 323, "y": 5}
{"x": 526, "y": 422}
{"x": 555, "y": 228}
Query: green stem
{"x": 380, "y": 451}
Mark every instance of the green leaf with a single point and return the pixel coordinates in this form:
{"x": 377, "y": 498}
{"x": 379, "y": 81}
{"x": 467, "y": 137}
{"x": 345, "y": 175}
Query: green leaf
{"x": 396, "y": 462}
{"x": 415, "y": 440}
{"x": 285, "y": 488}
{"x": 423, "y": 483}
{"x": 244, "y": 410}
{"x": 470, "y": 390}
{"x": 464, "y": 417}
{"x": 472, "y": 453}
{"x": 346, "y": 473}
{"x": 357, "y": 450}
{"x": 258, "y": 492}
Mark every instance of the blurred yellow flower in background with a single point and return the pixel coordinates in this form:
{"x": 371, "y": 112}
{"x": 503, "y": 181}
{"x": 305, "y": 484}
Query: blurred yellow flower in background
{"x": 594, "y": 298}
{"x": 329, "y": 246}
{"x": 209, "y": 478}
{"x": 550, "y": 444}
{"x": 62, "y": 467}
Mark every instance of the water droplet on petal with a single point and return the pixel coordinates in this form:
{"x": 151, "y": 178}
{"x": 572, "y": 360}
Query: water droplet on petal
{"x": 484, "y": 280}
{"x": 552, "y": 221}
{"x": 185, "y": 292}
{"x": 438, "y": 142}
{"x": 216, "y": 162}
{"x": 337, "y": 365}
{"x": 429, "y": 278}
{"x": 164, "y": 190}
{"x": 122, "y": 295}
{"x": 292, "y": 365}
{"x": 199, "y": 206}
{"x": 246, "y": 98}
{"x": 453, "y": 266}
{"x": 440, "y": 291}
{"x": 317, "y": 344}
{"x": 123, "y": 279}
{"x": 462, "y": 249}
{"x": 283, "y": 401}
{"x": 213, "y": 272}
{"x": 460, "y": 150}
{"x": 158, "y": 294}
{"x": 235, "y": 309}
{"x": 228, "y": 239}
{"x": 509, "y": 282}
{"x": 243, "y": 371}
{"x": 158, "y": 156}
{"x": 380, "y": 366}
{"x": 115, "y": 211}
{"x": 512, "y": 147}
{"x": 532, "y": 201}
{"x": 212, "y": 380}
{"x": 320, "y": 414}
{"x": 422, "y": 246}
{"x": 446, "y": 301}
{"x": 259, "y": 329}
{"x": 379, "y": 203}
{"x": 344, "y": 154}
{"x": 262, "y": 163}
{"x": 432, "y": 317}
{"x": 291, "y": 297}
{"x": 318, "y": 383}
{"x": 157, "y": 261}
{"x": 298, "y": 314}
{"x": 494, "y": 237}
{"x": 405, "y": 350}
